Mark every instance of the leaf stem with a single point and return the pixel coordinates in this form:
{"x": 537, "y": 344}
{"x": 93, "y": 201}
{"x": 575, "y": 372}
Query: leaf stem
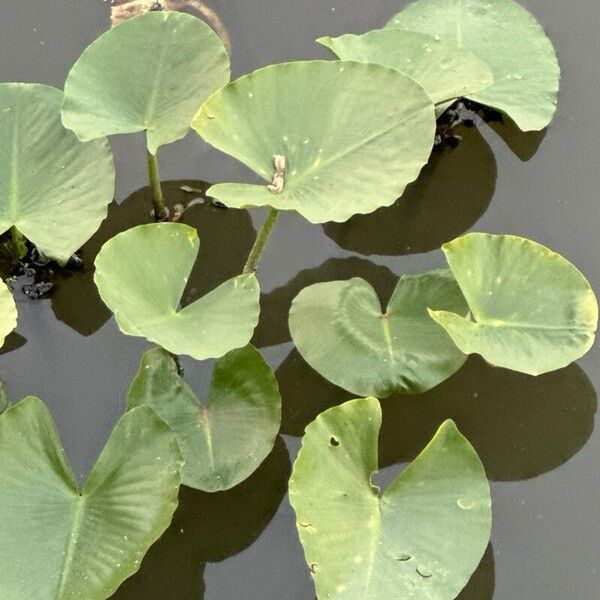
{"x": 161, "y": 212}
{"x": 262, "y": 237}
{"x": 18, "y": 243}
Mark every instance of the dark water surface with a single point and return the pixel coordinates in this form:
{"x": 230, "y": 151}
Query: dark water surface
{"x": 535, "y": 436}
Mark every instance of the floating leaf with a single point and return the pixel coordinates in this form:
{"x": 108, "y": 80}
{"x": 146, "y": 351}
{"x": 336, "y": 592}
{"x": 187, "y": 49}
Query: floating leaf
{"x": 60, "y": 542}
{"x": 423, "y": 538}
{"x": 8, "y": 312}
{"x": 226, "y": 438}
{"x": 342, "y": 332}
{"x": 530, "y": 309}
{"x": 508, "y": 39}
{"x": 53, "y": 189}
{"x": 351, "y": 135}
{"x": 445, "y": 71}
{"x": 141, "y": 275}
{"x": 150, "y": 73}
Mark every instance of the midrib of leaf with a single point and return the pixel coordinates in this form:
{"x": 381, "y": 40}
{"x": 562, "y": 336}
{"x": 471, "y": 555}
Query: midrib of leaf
{"x": 156, "y": 85}
{"x": 387, "y": 335}
{"x": 204, "y": 422}
{"x": 14, "y": 166}
{"x": 77, "y": 522}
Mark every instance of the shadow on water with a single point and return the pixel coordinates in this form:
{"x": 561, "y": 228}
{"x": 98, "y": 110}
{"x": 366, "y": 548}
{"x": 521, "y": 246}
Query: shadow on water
{"x": 483, "y": 581}
{"x": 524, "y": 144}
{"x": 452, "y": 193}
{"x": 226, "y": 237}
{"x": 13, "y": 342}
{"x": 209, "y": 528}
{"x": 521, "y": 426}
{"x": 275, "y": 306}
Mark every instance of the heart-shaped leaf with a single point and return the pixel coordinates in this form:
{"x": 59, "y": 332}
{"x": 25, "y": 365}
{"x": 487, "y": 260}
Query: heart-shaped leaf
{"x": 445, "y": 71}
{"x": 8, "y": 312}
{"x": 226, "y": 438}
{"x": 530, "y": 309}
{"x": 150, "y": 73}
{"x": 352, "y": 136}
{"x": 423, "y": 538}
{"x": 508, "y": 39}
{"x": 54, "y": 189}
{"x": 60, "y": 542}
{"x": 141, "y": 275}
{"x": 342, "y": 332}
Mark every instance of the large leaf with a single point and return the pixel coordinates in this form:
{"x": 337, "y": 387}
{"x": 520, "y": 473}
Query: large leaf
{"x": 141, "y": 275}
{"x": 445, "y": 71}
{"x": 508, "y": 39}
{"x": 54, "y": 189}
{"x": 530, "y": 309}
{"x": 353, "y": 136}
{"x": 226, "y": 438}
{"x": 60, "y": 542}
{"x": 423, "y": 538}
{"x": 150, "y": 73}
{"x": 341, "y": 330}
{"x": 8, "y": 312}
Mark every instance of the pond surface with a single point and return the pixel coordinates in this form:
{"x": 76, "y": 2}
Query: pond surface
{"x": 535, "y": 436}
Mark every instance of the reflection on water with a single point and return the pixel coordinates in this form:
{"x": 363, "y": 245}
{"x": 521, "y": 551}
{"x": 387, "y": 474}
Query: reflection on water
{"x": 275, "y": 306}
{"x": 209, "y": 528}
{"x": 451, "y": 194}
{"x": 521, "y": 426}
{"x": 226, "y": 237}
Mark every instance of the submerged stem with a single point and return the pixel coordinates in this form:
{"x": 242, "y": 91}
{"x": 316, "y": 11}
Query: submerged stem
{"x": 262, "y": 238}
{"x": 18, "y": 243}
{"x": 160, "y": 210}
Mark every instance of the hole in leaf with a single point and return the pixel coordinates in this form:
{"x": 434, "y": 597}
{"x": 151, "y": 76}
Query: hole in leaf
{"x": 334, "y": 441}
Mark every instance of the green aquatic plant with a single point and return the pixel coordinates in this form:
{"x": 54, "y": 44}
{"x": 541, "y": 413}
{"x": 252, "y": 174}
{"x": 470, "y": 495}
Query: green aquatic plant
{"x": 61, "y": 541}
{"x": 444, "y": 70}
{"x": 8, "y": 312}
{"x": 224, "y": 439}
{"x": 509, "y": 40}
{"x": 150, "y": 73}
{"x": 422, "y": 538}
{"x": 342, "y": 332}
{"x": 54, "y": 189}
{"x": 141, "y": 275}
{"x": 347, "y": 137}
{"x": 530, "y": 310}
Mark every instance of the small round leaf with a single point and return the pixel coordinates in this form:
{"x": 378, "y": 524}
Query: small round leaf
{"x": 353, "y": 136}
{"x": 226, "y": 438}
{"x": 150, "y": 73}
{"x": 54, "y": 189}
{"x": 531, "y": 310}
{"x": 423, "y": 538}
{"x": 508, "y": 39}
{"x": 141, "y": 275}
{"x": 60, "y": 542}
{"x": 341, "y": 331}
{"x": 445, "y": 71}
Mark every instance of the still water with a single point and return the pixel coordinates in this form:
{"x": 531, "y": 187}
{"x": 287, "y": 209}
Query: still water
{"x": 535, "y": 436}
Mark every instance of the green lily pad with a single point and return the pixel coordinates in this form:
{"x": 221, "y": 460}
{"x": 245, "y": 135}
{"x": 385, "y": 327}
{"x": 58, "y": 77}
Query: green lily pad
{"x": 445, "y": 71}
{"x": 150, "y": 73}
{"x": 423, "y": 538}
{"x": 530, "y": 309}
{"x": 353, "y": 136}
{"x": 141, "y": 275}
{"x": 508, "y": 39}
{"x": 8, "y": 312}
{"x": 60, "y": 542}
{"x": 226, "y": 438}
{"x": 54, "y": 189}
{"x": 342, "y": 332}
